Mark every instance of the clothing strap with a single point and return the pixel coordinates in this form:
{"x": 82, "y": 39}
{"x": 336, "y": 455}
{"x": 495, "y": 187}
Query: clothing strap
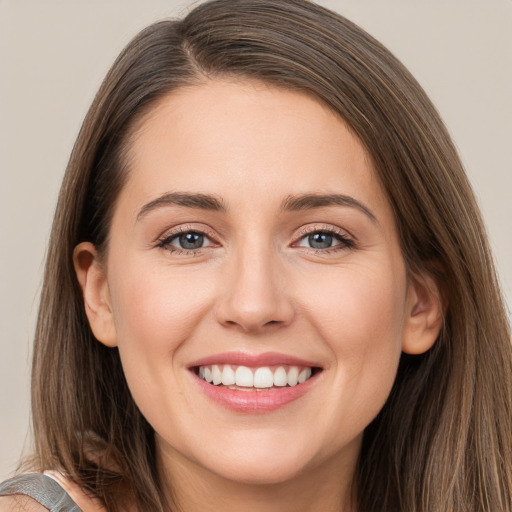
{"x": 44, "y": 489}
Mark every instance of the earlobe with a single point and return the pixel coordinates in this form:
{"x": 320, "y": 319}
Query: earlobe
{"x": 93, "y": 282}
{"x": 424, "y": 315}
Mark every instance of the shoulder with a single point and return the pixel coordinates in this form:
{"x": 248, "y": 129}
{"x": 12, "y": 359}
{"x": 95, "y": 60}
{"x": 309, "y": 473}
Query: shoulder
{"x": 19, "y": 503}
{"x": 41, "y": 491}
{"x": 86, "y": 502}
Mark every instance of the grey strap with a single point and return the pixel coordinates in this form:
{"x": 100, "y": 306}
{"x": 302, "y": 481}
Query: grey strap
{"x": 43, "y": 489}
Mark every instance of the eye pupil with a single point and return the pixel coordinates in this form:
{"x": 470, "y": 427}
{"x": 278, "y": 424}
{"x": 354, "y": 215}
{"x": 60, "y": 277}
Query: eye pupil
{"x": 320, "y": 240}
{"x": 191, "y": 240}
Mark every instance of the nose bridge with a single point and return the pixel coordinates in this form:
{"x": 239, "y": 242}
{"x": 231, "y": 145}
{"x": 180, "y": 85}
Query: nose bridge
{"x": 255, "y": 298}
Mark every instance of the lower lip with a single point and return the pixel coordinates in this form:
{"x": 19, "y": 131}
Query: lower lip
{"x": 255, "y": 401}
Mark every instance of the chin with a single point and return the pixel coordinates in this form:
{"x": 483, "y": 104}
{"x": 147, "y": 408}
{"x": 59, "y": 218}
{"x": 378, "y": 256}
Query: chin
{"x": 262, "y": 464}
{"x": 272, "y": 472}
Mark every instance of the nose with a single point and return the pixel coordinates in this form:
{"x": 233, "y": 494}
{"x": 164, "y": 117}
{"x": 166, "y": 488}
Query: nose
{"x": 254, "y": 297}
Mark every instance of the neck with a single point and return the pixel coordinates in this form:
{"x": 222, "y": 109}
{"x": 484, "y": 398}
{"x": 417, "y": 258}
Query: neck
{"x": 193, "y": 488}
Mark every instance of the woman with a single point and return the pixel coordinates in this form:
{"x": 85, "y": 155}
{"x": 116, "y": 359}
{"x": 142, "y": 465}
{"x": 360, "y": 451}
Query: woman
{"x": 268, "y": 284}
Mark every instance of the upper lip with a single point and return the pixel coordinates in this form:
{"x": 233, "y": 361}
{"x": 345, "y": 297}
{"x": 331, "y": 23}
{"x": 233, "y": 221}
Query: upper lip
{"x": 253, "y": 360}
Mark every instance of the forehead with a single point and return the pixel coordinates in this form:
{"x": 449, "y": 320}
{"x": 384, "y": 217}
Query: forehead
{"x": 246, "y": 138}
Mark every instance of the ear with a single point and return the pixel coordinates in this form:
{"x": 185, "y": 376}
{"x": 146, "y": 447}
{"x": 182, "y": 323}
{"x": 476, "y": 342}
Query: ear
{"x": 93, "y": 281}
{"x": 424, "y": 314}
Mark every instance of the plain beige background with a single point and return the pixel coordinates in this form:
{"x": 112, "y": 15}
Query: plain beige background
{"x": 54, "y": 53}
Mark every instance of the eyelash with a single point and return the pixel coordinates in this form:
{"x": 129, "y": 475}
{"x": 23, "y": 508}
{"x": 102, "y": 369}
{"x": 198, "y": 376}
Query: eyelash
{"x": 345, "y": 242}
{"x": 168, "y": 238}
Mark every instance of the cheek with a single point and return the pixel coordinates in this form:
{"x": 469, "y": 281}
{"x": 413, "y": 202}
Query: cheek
{"x": 359, "y": 315}
{"x": 154, "y": 313}
{"x": 358, "y": 305}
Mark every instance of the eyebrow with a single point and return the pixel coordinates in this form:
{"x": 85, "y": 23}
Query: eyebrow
{"x": 311, "y": 201}
{"x": 200, "y": 201}
{"x": 291, "y": 203}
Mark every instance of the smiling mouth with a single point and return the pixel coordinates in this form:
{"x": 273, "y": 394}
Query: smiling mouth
{"x": 263, "y": 378}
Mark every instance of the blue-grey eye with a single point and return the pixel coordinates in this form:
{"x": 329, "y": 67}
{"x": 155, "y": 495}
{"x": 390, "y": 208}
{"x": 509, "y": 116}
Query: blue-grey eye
{"x": 320, "y": 240}
{"x": 185, "y": 241}
{"x": 324, "y": 240}
{"x": 190, "y": 240}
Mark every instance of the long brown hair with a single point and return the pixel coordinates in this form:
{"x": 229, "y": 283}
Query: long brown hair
{"x": 443, "y": 441}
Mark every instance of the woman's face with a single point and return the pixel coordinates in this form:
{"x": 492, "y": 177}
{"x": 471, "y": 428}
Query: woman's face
{"x": 253, "y": 243}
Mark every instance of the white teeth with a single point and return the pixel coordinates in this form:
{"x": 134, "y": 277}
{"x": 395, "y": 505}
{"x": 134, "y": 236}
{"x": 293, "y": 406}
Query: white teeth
{"x": 280, "y": 377}
{"x": 244, "y": 377}
{"x": 217, "y": 374}
{"x": 259, "y": 378}
{"x": 263, "y": 378}
{"x": 304, "y": 375}
{"x": 228, "y": 376}
{"x": 293, "y": 376}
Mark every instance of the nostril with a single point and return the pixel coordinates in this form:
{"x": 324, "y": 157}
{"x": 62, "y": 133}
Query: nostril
{"x": 253, "y": 303}
{"x": 248, "y": 326}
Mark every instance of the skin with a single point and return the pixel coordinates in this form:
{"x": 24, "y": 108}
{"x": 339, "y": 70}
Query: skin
{"x": 256, "y": 286}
